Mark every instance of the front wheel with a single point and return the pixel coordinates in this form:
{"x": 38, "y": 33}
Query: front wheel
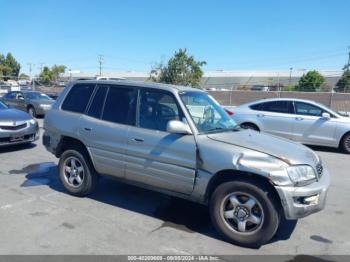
{"x": 244, "y": 212}
{"x": 250, "y": 126}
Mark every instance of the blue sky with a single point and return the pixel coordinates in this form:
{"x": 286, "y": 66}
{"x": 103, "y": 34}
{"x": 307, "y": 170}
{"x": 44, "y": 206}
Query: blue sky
{"x": 134, "y": 35}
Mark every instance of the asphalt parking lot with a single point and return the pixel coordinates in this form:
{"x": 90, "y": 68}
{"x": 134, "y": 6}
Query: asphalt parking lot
{"x": 38, "y": 217}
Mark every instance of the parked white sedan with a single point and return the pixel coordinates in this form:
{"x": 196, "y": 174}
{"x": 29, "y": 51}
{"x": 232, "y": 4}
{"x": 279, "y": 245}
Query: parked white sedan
{"x": 301, "y": 120}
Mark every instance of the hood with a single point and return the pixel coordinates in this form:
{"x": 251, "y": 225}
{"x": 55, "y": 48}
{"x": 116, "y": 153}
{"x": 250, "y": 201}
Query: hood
{"x": 291, "y": 152}
{"x": 343, "y": 119}
{"x": 42, "y": 102}
{"x": 11, "y": 115}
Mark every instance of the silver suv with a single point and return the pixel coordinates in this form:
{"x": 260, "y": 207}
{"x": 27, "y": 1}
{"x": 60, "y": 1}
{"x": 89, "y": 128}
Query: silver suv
{"x": 179, "y": 141}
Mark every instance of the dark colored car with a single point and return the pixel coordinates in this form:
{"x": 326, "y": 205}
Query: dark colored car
{"x": 33, "y": 102}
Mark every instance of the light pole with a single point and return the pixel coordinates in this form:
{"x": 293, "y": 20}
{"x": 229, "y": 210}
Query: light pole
{"x": 290, "y": 76}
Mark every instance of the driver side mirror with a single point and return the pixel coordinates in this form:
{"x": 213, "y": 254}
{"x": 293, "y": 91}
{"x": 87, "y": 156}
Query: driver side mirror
{"x": 326, "y": 115}
{"x": 178, "y": 127}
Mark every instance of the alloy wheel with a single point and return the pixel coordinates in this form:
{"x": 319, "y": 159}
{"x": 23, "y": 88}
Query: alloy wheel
{"x": 73, "y": 171}
{"x": 242, "y": 213}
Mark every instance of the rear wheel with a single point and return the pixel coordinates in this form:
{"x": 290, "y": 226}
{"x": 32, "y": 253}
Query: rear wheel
{"x": 244, "y": 212}
{"x": 345, "y": 143}
{"x": 250, "y": 126}
{"x": 76, "y": 172}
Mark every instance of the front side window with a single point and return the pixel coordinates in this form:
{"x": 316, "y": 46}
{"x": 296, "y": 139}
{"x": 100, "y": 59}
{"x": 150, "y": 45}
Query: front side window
{"x": 78, "y": 98}
{"x": 36, "y": 96}
{"x": 206, "y": 113}
{"x": 307, "y": 109}
{"x": 277, "y": 107}
{"x": 157, "y": 108}
{"x": 120, "y": 105}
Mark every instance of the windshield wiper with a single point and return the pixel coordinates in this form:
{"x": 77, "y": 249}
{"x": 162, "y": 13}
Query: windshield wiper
{"x": 221, "y": 129}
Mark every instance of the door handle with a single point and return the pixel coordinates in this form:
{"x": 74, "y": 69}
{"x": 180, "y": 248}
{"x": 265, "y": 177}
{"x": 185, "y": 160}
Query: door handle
{"x": 138, "y": 139}
{"x": 299, "y": 118}
{"x": 260, "y": 115}
{"x": 87, "y": 129}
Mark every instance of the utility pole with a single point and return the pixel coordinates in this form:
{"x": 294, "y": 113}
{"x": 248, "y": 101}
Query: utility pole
{"x": 290, "y": 76}
{"x": 100, "y": 62}
{"x": 41, "y": 67}
{"x": 30, "y": 73}
{"x": 347, "y": 67}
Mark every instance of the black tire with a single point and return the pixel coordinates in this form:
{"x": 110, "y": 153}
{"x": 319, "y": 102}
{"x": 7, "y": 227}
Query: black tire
{"x": 250, "y": 126}
{"x": 345, "y": 143}
{"x": 31, "y": 111}
{"x": 270, "y": 217}
{"x": 90, "y": 178}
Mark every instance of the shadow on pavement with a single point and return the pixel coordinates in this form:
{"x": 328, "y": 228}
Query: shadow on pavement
{"x": 175, "y": 213}
{"x": 327, "y": 149}
{"x": 13, "y": 148}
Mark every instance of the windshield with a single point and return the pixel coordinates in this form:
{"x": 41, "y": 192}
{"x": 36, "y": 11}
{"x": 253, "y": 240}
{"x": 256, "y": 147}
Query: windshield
{"x": 2, "y": 106}
{"x": 206, "y": 113}
{"x": 36, "y": 95}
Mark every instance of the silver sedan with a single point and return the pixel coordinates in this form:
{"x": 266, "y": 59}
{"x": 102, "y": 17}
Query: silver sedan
{"x": 16, "y": 127}
{"x": 300, "y": 120}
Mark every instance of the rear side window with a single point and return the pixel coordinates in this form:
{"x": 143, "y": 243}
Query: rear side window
{"x": 277, "y": 107}
{"x": 256, "y": 107}
{"x": 78, "y": 98}
{"x": 95, "y": 109}
{"x": 120, "y": 105}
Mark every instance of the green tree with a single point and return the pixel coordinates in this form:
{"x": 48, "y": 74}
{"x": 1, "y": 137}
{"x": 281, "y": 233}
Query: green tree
{"x": 11, "y": 62}
{"x": 23, "y": 76}
{"x": 46, "y": 75}
{"x": 343, "y": 84}
{"x": 57, "y": 70}
{"x": 6, "y": 71}
{"x": 310, "y": 81}
{"x": 181, "y": 69}
{"x": 9, "y": 67}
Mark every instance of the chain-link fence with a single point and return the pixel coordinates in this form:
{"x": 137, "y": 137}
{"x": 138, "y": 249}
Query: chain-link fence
{"x": 337, "y": 101}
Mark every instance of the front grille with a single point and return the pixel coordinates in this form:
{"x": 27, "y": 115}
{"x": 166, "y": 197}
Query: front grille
{"x": 12, "y": 128}
{"x": 7, "y": 140}
{"x": 319, "y": 169}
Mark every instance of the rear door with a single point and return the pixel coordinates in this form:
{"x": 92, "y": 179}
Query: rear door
{"x": 154, "y": 156}
{"x": 310, "y": 127}
{"x": 105, "y": 126}
{"x": 276, "y": 117}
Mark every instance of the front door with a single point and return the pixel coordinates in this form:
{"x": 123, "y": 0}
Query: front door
{"x": 310, "y": 127}
{"x": 154, "y": 156}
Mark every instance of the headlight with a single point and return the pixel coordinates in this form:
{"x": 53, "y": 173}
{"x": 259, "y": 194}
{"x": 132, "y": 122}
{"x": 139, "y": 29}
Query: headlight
{"x": 301, "y": 174}
{"x": 32, "y": 121}
{"x": 280, "y": 173}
